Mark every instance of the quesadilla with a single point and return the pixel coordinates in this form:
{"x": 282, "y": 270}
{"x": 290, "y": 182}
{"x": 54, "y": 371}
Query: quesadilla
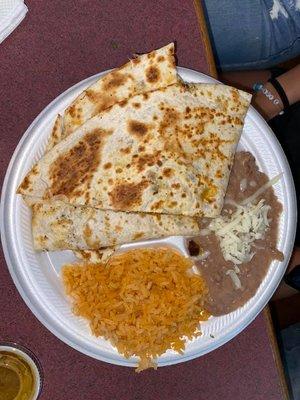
{"x": 58, "y": 226}
{"x": 56, "y": 133}
{"x": 92, "y": 256}
{"x": 169, "y": 152}
{"x": 161, "y": 64}
{"x": 142, "y": 74}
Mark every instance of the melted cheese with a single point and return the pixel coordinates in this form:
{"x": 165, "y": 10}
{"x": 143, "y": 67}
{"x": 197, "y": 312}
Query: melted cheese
{"x": 238, "y": 231}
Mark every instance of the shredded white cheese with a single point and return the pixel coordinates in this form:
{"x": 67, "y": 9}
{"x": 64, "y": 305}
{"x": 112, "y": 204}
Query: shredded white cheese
{"x": 262, "y": 189}
{"x": 236, "y": 269}
{"x": 202, "y": 256}
{"x": 235, "y": 279}
{"x": 239, "y": 230}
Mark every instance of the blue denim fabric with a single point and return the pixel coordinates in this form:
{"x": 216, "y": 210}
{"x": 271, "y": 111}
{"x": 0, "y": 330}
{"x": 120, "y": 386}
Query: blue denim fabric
{"x": 244, "y": 36}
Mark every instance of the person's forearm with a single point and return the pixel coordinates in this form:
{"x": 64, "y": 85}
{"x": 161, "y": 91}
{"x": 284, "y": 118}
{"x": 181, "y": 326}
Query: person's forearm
{"x": 265, "y": 106}
{"x": 244, "y": 79}
{"x": 290, "y": 82}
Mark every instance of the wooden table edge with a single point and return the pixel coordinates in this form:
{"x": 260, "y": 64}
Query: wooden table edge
{"x": 205, "y": 38}
{"x": 276, "y": 352}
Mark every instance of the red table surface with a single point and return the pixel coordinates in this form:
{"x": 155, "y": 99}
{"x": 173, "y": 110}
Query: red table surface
{"x": 58, "y": 44}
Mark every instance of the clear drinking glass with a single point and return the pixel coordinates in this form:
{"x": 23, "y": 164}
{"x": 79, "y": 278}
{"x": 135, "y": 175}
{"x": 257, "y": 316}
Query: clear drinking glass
{"x": 21, "y": 375}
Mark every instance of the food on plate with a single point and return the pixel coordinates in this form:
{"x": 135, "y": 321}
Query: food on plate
{"x": 58, "y": 226}
{"x": 56, "y": 133}
{"x": 235, "y": 250}
{"x": 144, "y": 301}
{"x": 144, "y": 73}
{"x": 142, "y": 155}
{"x": 58, "y": 129}
{"x": 95, "y": 256}
{"x": 168, "y": 152}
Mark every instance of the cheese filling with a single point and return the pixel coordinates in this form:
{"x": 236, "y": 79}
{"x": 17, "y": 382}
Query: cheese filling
{"x": 238, "y": 231}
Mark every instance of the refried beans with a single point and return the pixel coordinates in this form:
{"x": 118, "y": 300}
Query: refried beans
{"x": 224, "y": 296}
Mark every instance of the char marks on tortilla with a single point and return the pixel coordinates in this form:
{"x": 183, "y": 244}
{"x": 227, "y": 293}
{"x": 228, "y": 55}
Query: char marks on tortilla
{"x": 145, "y": 73}
{"x": 57, "y": 225}
{"x": 56, "y": 134}
{"x": 116, "y": 86}
{"x": 172, "y": 156}
{"x": 77, "y": 165}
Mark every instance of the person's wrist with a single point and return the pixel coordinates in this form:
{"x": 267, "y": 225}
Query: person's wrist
{"x": 290, "y": 84}
{"x": 264, "y": 105}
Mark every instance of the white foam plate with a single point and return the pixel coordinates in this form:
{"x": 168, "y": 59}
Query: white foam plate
{"x": 37, "y": 275}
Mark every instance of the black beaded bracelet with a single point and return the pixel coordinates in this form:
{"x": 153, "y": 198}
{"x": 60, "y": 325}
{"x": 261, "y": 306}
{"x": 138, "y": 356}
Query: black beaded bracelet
{"x": 279, "y": 89}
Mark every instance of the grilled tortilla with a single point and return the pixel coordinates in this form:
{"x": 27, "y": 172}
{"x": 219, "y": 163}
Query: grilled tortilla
{"x": 169, "y": 151}
{"x": 58, "y": 226}
{"x": 56, "y": 133}
{"x": 142, "y": 74}
{"x": 147, "y": 72}
{"x": 92, "y": 256}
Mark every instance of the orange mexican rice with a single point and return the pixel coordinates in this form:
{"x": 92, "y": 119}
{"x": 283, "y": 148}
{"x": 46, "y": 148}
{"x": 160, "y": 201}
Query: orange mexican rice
{"x": 145, "y": 301}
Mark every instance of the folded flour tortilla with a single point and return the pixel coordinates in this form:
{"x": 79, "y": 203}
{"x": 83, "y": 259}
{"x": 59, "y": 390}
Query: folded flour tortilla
{"x": 80, "y": 110}
{"x": 146, "y": 72}
{"x": 59, "y": 226}
{"x": 142, "y": 74}
{"x": 57, "y": 133}
{"x": 169, "y": 152}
